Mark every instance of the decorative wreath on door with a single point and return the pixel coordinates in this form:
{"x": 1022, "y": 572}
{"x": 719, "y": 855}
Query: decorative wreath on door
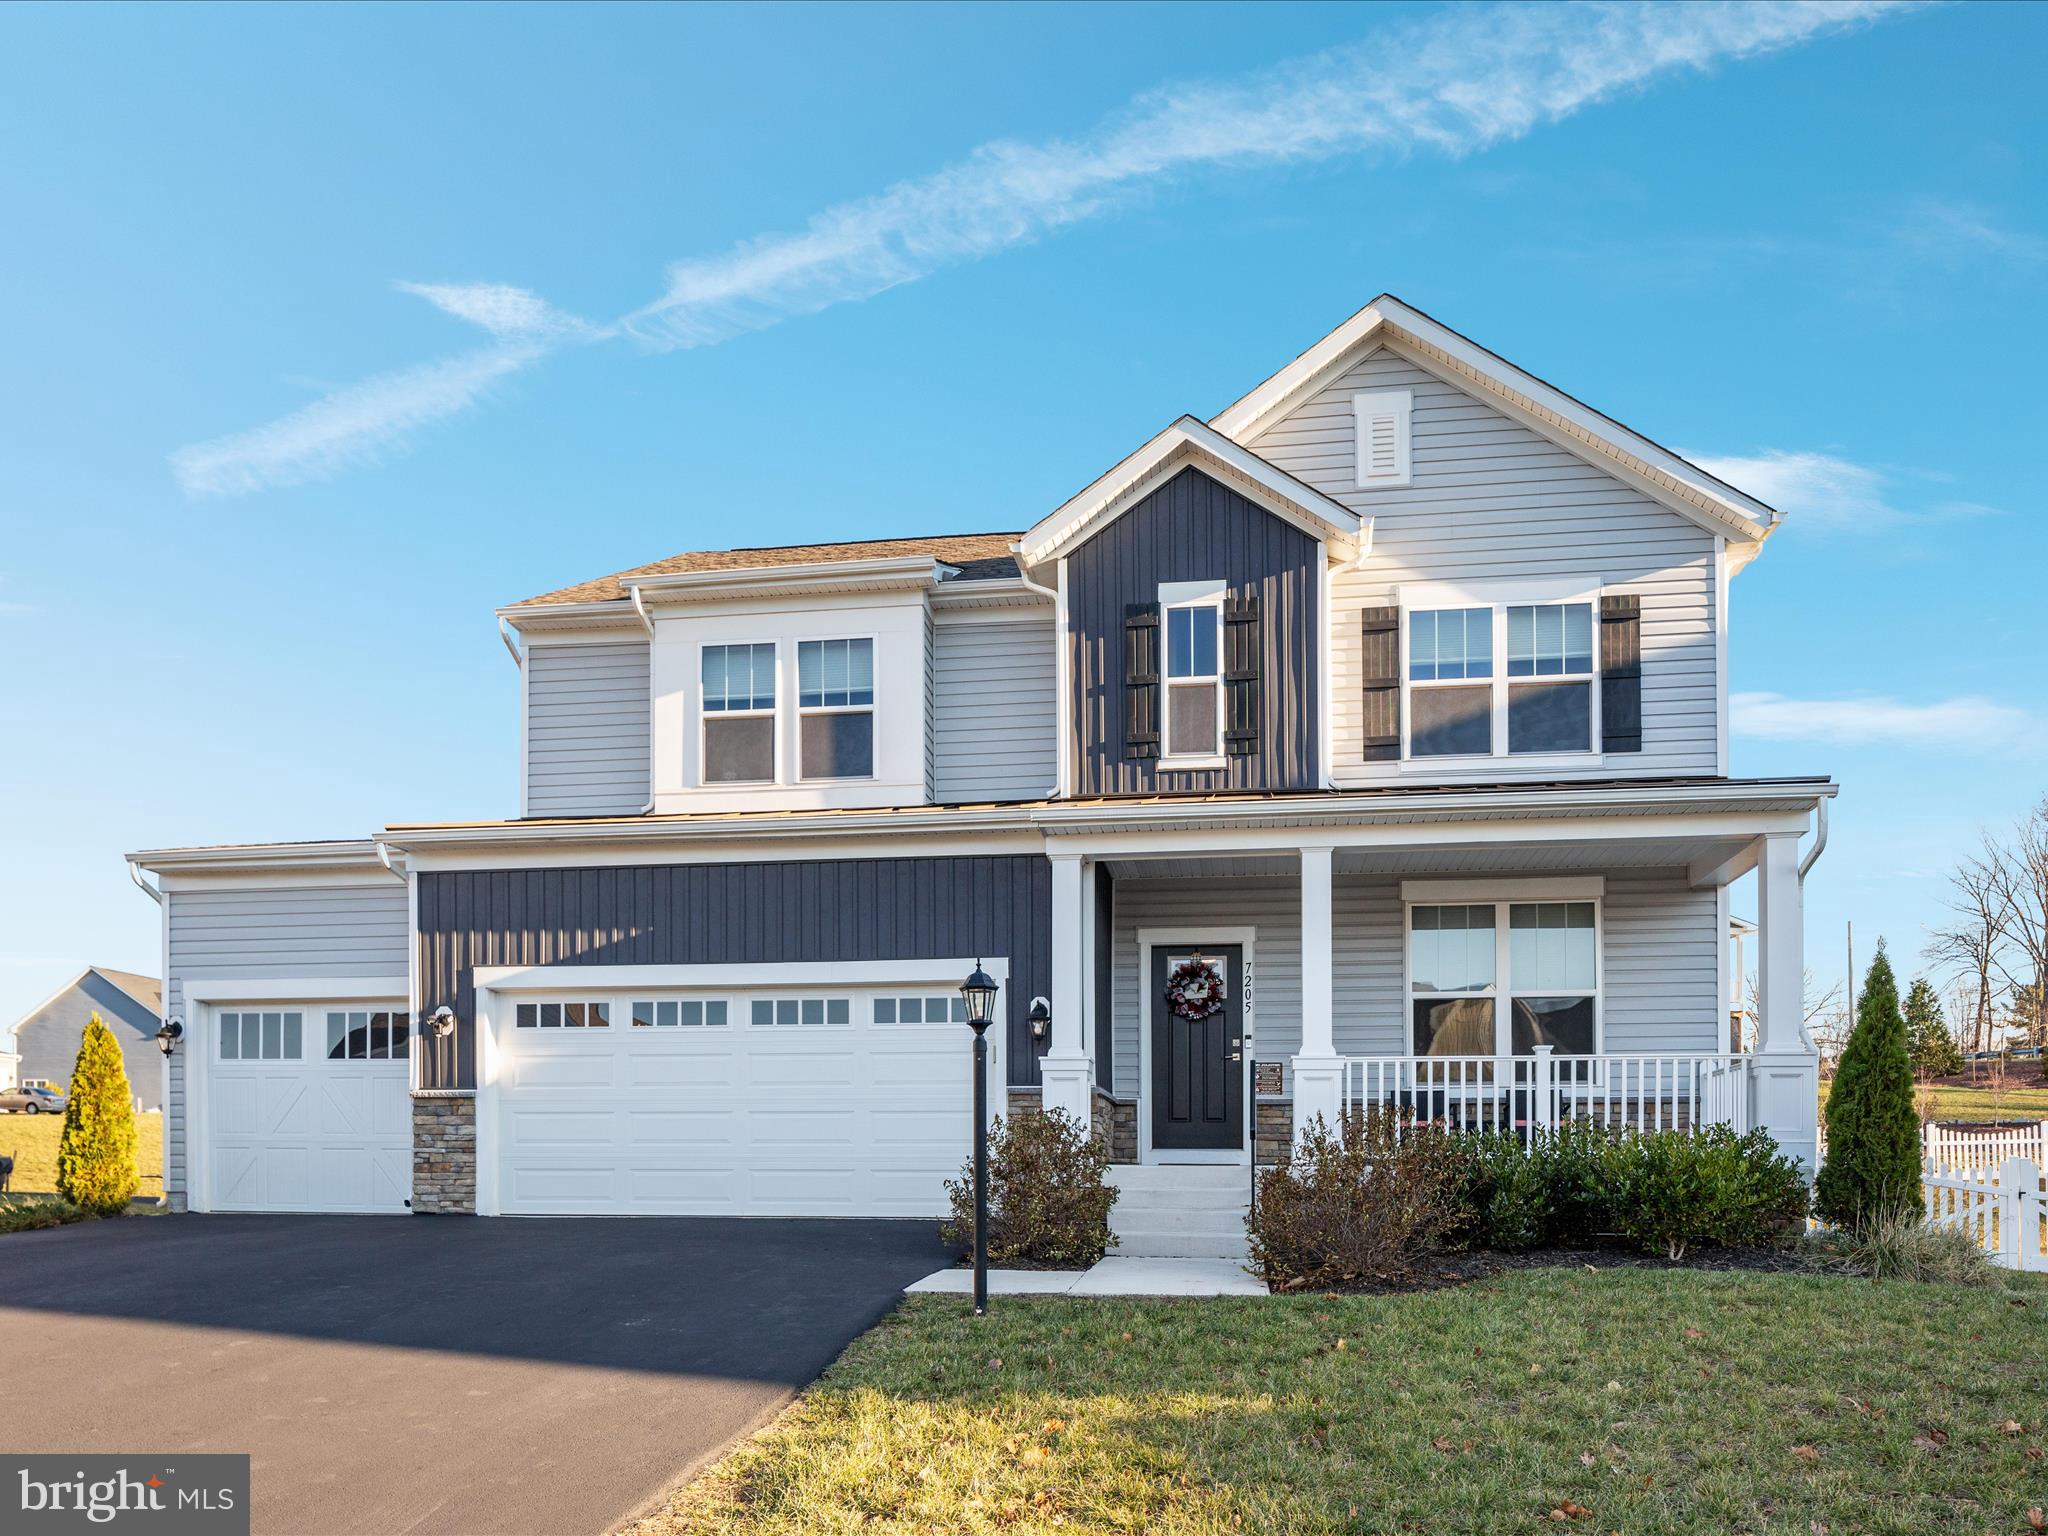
{"x": 1195, "y": 989}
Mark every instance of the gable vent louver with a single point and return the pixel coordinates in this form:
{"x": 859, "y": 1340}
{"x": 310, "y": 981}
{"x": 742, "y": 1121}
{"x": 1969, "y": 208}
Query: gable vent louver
{"x": 1383, "y": 419}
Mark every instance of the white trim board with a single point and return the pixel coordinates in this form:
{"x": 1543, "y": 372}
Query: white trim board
{"x": 1149, "y": 939}
{"x": 1512, "y": 888}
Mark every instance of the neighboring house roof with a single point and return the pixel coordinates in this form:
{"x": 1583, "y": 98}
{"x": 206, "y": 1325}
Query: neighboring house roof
{"x": 147, "y": 992}
{"x": 976, "y": 556}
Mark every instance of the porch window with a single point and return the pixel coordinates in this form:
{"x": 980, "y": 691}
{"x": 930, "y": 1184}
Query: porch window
{"x": 1453, "y": 958}
{"x": 1194, "y": 679}
{"x": 739, "y": 713}
{"x": 1542, "y": 957}
{"x": 836, "y": 708}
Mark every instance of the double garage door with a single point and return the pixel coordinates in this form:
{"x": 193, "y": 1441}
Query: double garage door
{"x": 306, "y": 1108}
{"x": 797, "y": 1101}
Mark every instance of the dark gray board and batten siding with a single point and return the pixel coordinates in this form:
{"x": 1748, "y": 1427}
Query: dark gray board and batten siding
{"x": 1194, "y": 528}
{"x": 732, "y": 914}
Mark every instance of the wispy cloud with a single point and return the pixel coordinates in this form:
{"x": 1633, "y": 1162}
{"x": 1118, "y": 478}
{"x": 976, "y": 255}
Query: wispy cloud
{"x": 1827, "y": 494}
{"x": 1451, "y": 84}
{"x": 351, "y": 426}
{"x": 1876, "y": 720}
{"x": 1949, "y": 232}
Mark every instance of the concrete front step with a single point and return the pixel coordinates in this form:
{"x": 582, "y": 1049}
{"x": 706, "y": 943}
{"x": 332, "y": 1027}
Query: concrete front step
{"x": 1180, "y": 1210}
{"x": 1148, "y": 1244}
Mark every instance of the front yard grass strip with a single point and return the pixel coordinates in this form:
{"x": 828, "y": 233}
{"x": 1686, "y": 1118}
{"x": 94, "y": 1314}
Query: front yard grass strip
{"x": 1666, "y": 1403}
{"x": 35, "y": 1213}
{"x": 32, "y": 1142}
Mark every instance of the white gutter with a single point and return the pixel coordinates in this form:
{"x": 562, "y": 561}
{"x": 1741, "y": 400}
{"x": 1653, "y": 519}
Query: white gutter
{"x": 640, "y": 607}
{"x": 384, "y": 858}
{"x": 1365, "y": 532}
{"x": 1820, "y": 839}
{"x": 142, "y": 885}
{"x": 505, "y": 634}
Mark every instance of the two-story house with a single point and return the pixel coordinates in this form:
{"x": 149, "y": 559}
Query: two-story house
{"x": 1364, "y": 744}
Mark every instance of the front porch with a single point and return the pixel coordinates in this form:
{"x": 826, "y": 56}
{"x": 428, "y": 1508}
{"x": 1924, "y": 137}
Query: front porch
{"x": 1507, "y": 971}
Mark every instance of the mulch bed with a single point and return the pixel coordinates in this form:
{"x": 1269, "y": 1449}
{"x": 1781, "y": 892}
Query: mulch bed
{"x": 1442, "y": 1271}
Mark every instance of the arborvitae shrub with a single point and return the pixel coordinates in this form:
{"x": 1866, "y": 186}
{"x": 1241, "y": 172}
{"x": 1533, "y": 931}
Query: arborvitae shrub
{"x": 1872, "y": 1169}
{"x": 96, "y": 1156}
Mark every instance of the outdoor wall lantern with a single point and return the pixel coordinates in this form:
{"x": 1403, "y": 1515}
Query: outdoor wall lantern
{"x": 442, "y": 1022}
{"x": 979, "y": 993}
{"x": 168, "y": 1037}
{"x": 1041, "y": 1018}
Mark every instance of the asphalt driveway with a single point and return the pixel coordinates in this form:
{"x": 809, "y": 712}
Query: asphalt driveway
{"x": 418, "y": 1374}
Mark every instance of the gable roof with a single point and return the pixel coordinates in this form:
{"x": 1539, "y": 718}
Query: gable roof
{"x": 1677, "y": 483}
{"x": 1180, "y": 444}
{"x": 976, "y": 556}
{"x": 144, "y": 990}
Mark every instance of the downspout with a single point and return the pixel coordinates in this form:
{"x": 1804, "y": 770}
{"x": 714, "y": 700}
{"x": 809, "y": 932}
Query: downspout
{"x": 412, "y": 949}
{"x": 163, "y": 1082}
{"x": 1059, "y": 607}
{"x": 505, "y": 634}
{"x": 1357, "y": 561}
{"x": 142, "y": 885}
{"x": 1820, "y": 839}
{"x": 646, "y": 618}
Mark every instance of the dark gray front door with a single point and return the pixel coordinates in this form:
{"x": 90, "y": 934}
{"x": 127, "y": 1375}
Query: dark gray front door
{"x": 1198, "y": 1064}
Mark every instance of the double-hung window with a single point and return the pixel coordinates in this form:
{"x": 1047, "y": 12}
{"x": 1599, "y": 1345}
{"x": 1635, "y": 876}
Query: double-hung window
{"x": 739, "y": 713}
{"x": 1498, "y": 978}
{"x": 836, "y": 708}
{"x": 1194, "y": 679}
{"x": 1506, "y": 679}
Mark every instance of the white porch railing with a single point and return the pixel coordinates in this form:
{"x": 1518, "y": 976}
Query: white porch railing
{"x": 1946, "y": 1148}
{"x": 1522, "y": 1095}
{"x": 2004, "y": 1209}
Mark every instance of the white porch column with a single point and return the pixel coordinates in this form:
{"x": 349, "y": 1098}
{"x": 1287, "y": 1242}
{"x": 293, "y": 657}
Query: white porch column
{"x": 1067, "y": 1070}
{"x": 1784, "y": 1071}
{"x": 1318, "y": 1073}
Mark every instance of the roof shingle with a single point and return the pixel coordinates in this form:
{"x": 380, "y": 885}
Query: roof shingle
{"x": 977, "y": 556}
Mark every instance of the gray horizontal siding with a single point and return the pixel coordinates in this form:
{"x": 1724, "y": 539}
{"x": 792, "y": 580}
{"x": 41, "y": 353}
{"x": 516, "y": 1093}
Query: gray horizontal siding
{"x": 994, "y": 701}
{"x": 1660, "y": 985}
{"x": 589, "y": 750}
{"x": 732, "y": 914}
{"x": 271, "y": 933}
{"x": 1492, "y": 500}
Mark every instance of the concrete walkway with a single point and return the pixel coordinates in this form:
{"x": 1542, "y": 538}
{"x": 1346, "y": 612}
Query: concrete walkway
{"x": 1112, "y": 1277}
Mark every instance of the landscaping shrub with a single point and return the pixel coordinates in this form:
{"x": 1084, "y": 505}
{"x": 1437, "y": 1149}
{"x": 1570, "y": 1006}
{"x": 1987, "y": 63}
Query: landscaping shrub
{"x": 1356, "y": 1205}
{"x": 1674, "y": 1190}
{"x": 1900, "y": 1245}
{"x": 96, "y": 1155}
{"x": 1048, "y": 1194}
{"x": 32, "y": 1213}
{"x": 1550, "y": 1193}
{"x": 1873, "y": 1157}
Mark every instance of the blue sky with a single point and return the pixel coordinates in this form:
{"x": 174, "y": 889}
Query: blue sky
{"x": 327, "y": 330}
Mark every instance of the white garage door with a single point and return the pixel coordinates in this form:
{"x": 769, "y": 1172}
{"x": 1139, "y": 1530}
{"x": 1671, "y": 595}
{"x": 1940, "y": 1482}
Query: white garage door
{"x": 805, "y": 1102}
{"x": 307, "y": 1108}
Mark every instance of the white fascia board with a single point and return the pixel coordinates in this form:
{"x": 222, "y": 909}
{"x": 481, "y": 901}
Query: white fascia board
{"x": 915, "y": 572}
{"x": 233, "y": 858}
{"x": 1186, "y": 441}
{"x": 527, "y": 618}
{"x": 1684, "y": 486}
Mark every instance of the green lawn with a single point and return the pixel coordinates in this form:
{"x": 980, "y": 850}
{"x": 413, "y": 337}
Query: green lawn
{"x": 2012, "y": 1103}
{"x": 32, "y": 1141}
{"x": 1627, "y": 1401}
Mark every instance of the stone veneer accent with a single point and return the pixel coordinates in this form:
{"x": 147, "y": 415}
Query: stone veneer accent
{"x": 1115, "y": 1120}
{"x": 444, "y": 1156}
{"x": 1272, "y": 1131}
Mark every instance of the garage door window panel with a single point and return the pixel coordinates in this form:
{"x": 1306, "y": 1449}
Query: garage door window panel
{"x": 680, "y": 1013}
{"x": 364, "y": 1034}
{"x": 800, "y": 1012}
{"x": 262, "y": 1035}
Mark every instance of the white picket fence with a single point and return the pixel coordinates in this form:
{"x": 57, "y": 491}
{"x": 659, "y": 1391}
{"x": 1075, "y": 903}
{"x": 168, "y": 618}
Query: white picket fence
{"x": 2003, "y": 1208}
{"x": 1983, "y": 1149}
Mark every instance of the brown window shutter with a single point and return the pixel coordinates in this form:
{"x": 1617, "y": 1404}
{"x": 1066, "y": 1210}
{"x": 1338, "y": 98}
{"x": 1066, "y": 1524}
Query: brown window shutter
{"x": 1621, "y": 672}
{"x": 1380, "y": 666}
{"x": 1141, "y": 680}
{"x": 1241, "y": 644}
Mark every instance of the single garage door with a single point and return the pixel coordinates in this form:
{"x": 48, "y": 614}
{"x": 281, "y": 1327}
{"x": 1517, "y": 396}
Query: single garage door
{"x": 307, "y": 1108}
{"x": 793, "y": 1103}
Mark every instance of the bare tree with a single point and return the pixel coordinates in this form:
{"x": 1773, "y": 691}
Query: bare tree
{"x": 1820, "y": 1009}
{"x": 1970, "y": 947}
{"x": 2020, "y": 872}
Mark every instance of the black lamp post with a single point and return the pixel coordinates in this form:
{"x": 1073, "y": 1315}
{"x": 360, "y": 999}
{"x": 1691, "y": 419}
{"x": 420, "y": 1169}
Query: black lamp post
{"x": 979, "y": 993}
